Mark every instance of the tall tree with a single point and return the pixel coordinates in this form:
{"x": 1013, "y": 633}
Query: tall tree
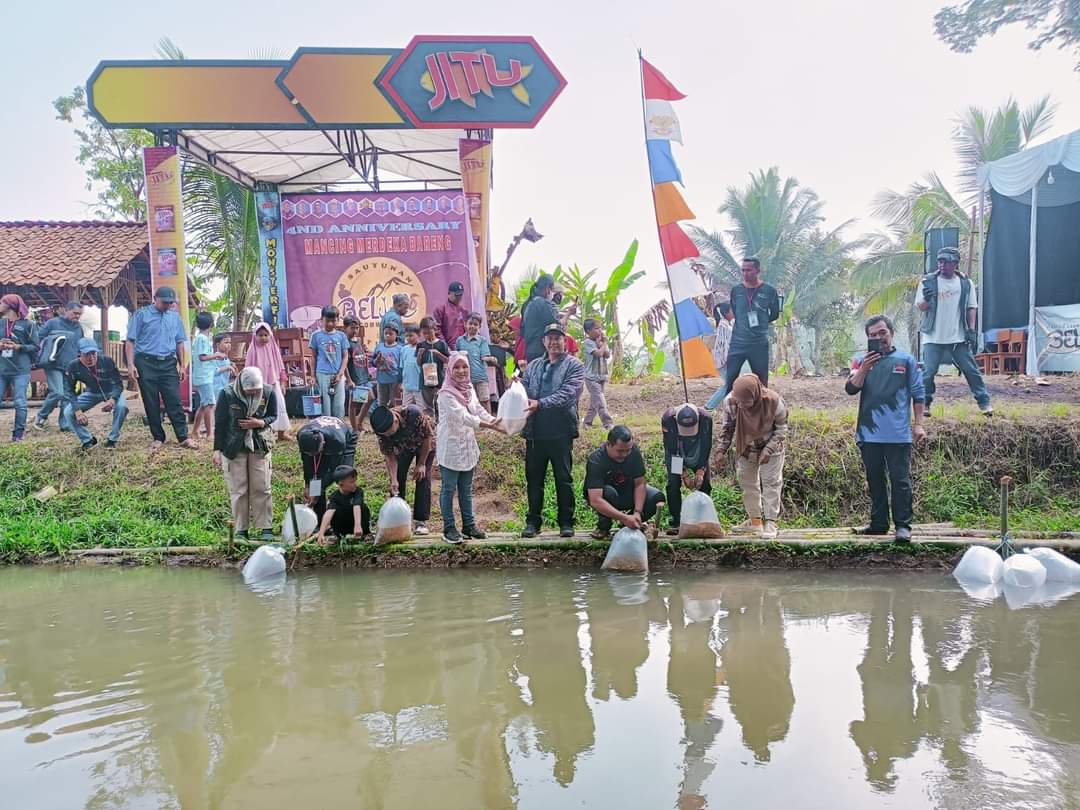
{"x": 1055, "y": 22}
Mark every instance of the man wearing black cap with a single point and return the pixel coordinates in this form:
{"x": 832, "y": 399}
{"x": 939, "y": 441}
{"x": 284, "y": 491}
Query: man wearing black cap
{"x": 346, "y": 508}
{"x": 687, "y": 433}
{"x": 407, "y": 436}
{"x": 101, "y": 383}
{"x": 950, "y": 309}
{"x": 553, "y": 383}
{"x": 450, "y": 316}
{"x": 325, "y": 443}
{"x": 155, "y": 354}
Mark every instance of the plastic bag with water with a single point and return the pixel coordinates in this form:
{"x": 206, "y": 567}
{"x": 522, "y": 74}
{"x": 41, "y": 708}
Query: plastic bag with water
{"x": 267, "y": 561}
{"x": 306, "y": 521}
{"x": 979, "y": 565}
{"x": 1023, "y": 571}
{"x": 512, "y": 407}
{"x": 1059, "y": 568}
{"x": 699, "y": 518}
{"x": 395, "y": 522}
{"x": 627, "y": 552}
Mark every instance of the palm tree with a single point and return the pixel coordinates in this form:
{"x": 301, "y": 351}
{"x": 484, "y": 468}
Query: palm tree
{"x": 888, "y": 276}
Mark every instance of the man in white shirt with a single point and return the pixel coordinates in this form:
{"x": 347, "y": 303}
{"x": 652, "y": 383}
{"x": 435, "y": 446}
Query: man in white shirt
{"x": 949, "y": 306}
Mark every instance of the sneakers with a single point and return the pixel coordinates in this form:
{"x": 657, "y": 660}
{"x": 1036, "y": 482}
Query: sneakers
{"x": 871, "y": 530}
{"x": 452, "y": 535}
{"x": 38, "y": 425}
{"x": 530, "y": 530}
{"x": 421, "y": 529}
{"x": 986, "y": 410}
{"x": 241, "y": 535}
{"x": 473, "y": 533}
{"x": 599, "y": 534}
{"x": 754, "y": 524}
{"x": 770, "y": 531}
{"x": 267, "y": 536}
{"x": 903, "y": 534}
{"x": 672, "y": 531}
{"x": 88, "y": 446}
{"x": 110, "y": 444}
{"x": 566, "y": 531}
{"x": 156, "y": 445}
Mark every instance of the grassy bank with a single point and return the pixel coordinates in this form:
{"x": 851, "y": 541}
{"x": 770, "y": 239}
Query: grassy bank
{"x": 126, "y": 499}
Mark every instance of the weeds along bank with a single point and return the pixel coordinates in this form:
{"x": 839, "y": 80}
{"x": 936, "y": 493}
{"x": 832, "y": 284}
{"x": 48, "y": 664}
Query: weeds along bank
{"x": 125, "y": 498}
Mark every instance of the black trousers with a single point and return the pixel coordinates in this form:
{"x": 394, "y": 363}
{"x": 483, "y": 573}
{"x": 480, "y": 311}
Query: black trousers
{"x": 343, "y": 523}
{"x": 538, "y": 453}
{"x": 623, "y": 500}
{"x": 674, "y": 495}
{"x": 159, "y": 380}
{"x": 894, "y": 462}
{"x": 421, "y": 509}
{"x": 329, "y": 463}
{"x": 757, "y": 356}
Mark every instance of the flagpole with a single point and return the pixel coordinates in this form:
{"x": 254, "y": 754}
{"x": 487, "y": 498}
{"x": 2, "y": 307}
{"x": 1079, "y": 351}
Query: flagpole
{"x": 656, "y": 219}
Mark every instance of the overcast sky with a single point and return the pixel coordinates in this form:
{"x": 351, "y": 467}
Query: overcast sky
{"x": 848, "y": 96}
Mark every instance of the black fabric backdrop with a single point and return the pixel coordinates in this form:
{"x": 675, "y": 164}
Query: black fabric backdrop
{"x": 1057, "y": 260}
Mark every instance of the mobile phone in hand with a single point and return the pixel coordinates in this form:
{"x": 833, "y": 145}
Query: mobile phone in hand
{"x": 873, "y": 345}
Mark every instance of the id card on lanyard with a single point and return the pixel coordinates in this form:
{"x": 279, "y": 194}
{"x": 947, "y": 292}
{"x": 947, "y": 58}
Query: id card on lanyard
{"x": 315, "y": 484}
{"x": 751, "y": 312}
{"x": 9, "y": 330}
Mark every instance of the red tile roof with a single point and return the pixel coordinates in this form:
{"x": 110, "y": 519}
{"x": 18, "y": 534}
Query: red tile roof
{"x": 59, "y": 254}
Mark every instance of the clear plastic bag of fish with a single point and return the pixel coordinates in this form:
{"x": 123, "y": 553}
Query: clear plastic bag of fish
{"x": 1023, "y": 571}
{"x": 979, "y": 566}
{"x": 512, "y": 405}
{"x": 699, "y": 518}
{"x": 395, "y": 522}
{"x": 306, "y": 521}
{"x": 265, "y": 562}
{"x": 627, "y": 552}
{"x": 1059, "y": 568}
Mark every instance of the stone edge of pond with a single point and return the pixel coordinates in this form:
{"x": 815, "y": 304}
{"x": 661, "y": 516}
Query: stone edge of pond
{"x": 835, "y": 551}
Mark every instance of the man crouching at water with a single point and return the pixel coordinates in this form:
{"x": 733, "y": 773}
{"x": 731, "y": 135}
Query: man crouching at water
{"x": 615, "y": 484}
{"x": 890, "y": 388}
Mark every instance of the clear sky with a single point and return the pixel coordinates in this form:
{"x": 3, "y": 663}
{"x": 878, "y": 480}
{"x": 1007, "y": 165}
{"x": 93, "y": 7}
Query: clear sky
{"x": 848, "y": 96}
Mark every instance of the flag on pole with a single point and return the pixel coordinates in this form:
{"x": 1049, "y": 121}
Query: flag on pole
{"x": 679, "y": 252}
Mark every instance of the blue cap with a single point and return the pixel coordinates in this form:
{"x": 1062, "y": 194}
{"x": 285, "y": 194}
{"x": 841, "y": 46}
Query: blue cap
{"x": 86, "y": 346}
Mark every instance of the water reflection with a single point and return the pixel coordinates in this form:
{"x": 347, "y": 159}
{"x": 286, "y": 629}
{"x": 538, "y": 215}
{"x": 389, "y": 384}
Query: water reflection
{"x": 156, "y": 688}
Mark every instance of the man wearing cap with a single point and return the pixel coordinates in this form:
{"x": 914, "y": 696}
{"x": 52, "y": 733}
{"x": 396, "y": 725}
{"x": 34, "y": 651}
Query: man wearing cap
{"x": 155, "y": 356}
{"x": 687, "y": 431}
{"x": 325, "y": 443}
{"x": 450, "y": 317}
{"x": 947, "y": 300}
{"x": 101, "y": 383}
{"x": 407, "y": 437}
{"x": 394, "y": 315}
{"x": 553, "y": 383}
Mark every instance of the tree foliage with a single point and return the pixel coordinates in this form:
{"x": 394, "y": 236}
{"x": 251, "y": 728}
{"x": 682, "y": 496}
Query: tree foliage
{"x": 1053, "y": 22}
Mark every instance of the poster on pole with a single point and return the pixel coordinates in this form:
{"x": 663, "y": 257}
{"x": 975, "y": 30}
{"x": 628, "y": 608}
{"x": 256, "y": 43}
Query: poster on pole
{"x": 275, "y": 306}
{"x": 475, "y": 158}
{"x": 357, "y": 250}
{"x": 1057, "y": 338}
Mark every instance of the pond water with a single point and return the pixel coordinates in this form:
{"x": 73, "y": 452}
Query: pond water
{"x": 154, "y": 688}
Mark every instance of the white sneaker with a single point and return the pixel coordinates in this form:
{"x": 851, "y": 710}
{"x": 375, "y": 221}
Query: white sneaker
{"x": 420, "y": 529}
{"x": 770, "y": 530}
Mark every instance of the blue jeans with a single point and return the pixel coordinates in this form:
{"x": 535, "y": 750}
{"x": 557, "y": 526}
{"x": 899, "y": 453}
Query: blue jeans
{"x": 934, "y": 354}
{"x": 87, "y": 400}
{"x": 19, "y": 382}
{"x": 331, "y": 406}
{"x": 55, "y": 397}
{"x": 716, "y": 398}
{"x": 461, "y": 481}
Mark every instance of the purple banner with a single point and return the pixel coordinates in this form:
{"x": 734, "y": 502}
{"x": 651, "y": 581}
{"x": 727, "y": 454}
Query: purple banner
{"x": 357, "y": 250}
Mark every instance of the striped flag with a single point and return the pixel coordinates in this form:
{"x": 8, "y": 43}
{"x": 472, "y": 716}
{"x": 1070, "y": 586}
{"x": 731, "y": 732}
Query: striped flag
{"x": 679, "y": 252}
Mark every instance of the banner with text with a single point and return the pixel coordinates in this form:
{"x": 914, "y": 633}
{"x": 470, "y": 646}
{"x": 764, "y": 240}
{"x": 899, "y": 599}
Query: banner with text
{"x": 275, "y": 307}
{"x": 476, "y": 182}
{"x": 1057, "y": 338}
{"x": 357, "y": 250}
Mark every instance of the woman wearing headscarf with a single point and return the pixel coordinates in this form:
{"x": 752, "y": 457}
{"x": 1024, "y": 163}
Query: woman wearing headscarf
{"x": 755, "y": 418}
{"x": 243, "y": 438}
{"x": 18, "y": 352}
{"x": 456, "y": 450}
{"x": 264, "y": 354}
{"x": 538, "y": 315}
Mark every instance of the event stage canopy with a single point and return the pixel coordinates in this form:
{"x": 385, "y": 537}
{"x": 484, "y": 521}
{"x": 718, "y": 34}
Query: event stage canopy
{"x": 1031, "y": 267}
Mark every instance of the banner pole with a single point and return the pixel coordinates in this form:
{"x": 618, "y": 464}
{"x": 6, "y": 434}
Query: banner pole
{"x": 656, "y": 219}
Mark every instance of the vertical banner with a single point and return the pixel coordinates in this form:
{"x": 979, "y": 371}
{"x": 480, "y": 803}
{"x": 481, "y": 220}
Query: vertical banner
{"x": 165, "y": 220}
{"x": 275, "y": 305}
{"x": 357, "y": 250}
{"x": 476, "y": 183}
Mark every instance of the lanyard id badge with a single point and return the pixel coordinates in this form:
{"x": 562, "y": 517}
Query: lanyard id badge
{"x": 751, "y": 311}
{"x": 676, "y": 465}
{"x": 315, "y": 488}
{"x": 752, "y": 318}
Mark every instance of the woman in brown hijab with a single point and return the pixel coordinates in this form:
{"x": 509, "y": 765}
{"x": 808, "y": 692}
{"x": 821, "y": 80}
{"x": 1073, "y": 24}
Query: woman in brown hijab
{"x": 755, "y": 418}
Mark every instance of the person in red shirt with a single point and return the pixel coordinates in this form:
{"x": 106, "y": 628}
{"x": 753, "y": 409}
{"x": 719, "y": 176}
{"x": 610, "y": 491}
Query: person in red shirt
{"x": 450, "y": 316}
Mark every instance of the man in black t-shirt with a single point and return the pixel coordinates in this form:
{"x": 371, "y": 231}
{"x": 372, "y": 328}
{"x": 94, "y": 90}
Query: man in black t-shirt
{"x": 755, "y": 305}
{"x": 345, "y": 507}
{"x": 687, "y": 433}
{"x": 615, "y": 484}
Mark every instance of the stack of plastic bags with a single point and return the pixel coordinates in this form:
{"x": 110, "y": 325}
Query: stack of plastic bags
{"x": 395, "y": 522}
{"x": 699, "y": 518}
{"x": 512, "y": 405}
{"x": 627, "y": 552}
{"x": 1036, "y": 576}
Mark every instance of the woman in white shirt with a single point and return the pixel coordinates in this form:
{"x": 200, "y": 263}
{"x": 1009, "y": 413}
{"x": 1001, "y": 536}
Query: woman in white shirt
{"x": 456, "y": 450}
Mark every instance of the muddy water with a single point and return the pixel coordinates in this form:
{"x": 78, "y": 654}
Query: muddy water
{"x": 549, "y": 689}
